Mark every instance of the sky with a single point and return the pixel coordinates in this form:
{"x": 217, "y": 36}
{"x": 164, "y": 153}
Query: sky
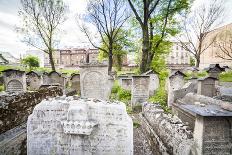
{"x": 71, "y": 36}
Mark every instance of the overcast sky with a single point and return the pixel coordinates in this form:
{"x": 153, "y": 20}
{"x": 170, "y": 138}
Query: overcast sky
{"x": 71, "y": 36}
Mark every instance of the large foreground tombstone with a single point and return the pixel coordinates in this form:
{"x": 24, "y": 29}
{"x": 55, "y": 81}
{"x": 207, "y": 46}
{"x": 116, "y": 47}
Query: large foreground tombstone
{"x": 140, "y": 89}
{"x": 79, "y": 127}
{"x": 14, "y": 80}
{"x": 95, "y": 81}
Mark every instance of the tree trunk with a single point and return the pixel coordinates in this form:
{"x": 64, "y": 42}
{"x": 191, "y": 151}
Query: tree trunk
{"x": 145, "y": 50}
{"x": 197, "y": 62}
{"x": 51, "y": 60}
{"x": 110, "y": 57}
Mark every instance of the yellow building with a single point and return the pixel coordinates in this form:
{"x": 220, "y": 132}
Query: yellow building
{"x": 216, "y": 40}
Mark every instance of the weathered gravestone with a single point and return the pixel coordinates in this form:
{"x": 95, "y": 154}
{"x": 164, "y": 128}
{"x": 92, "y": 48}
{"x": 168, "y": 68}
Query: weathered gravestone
{"x": 154, "y": 81}
{"x": 45, "y": 78}
{"x": 206, "y": 86}
{"x": 214, "y": 70}
{"x": 140, "y": 89}
{"x": 212, "y": 132}
{"x": 79, "y": 127}
{"x": 176, "y": 81}
{"x": 55, "y": 78}
{"x": 120, "y": 77}
{"x": 14, "y": 80}
{"x": 95, "y": 81}
{"x": 34, "y": 80}
{"x": 126, "y": 83}
{"x": 75, "y": 82}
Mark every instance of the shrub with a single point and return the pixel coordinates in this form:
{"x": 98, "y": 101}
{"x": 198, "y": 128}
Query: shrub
{"x": 226, "y": 76}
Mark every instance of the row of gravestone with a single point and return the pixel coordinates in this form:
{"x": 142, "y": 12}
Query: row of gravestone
{"x": 17, "y": 81}
{"x": 177, "y": 86}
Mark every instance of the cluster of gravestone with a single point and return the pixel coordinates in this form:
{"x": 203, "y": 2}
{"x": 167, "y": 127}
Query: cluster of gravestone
{"x": 20, "y": 81}
{"x": 196, "y": 103}
{"x": 91, "y": 124}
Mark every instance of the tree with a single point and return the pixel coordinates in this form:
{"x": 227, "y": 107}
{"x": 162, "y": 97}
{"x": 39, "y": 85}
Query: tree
{"x": 30, "y": 61}
{"x": 108, "y": 16}
{"x": 121, "y": 47}
{"x": 164, "y": 10}
{"x": 197, "y": 26}
{"x": 41, "y": 20}
{"x": 224, "y": 42}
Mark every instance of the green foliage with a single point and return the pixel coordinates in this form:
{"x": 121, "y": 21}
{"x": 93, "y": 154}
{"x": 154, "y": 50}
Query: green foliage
{"x": 226, "y": 76}
{"x": 121, "y": 45}
{"x": 118, "y": 93}
{"x": 30, "y": 61}
{"x": 192, "y": 61}
{"x": 1, "y": 88}
{"x": 136, "y": 124}
{"x": 199, "y": 74}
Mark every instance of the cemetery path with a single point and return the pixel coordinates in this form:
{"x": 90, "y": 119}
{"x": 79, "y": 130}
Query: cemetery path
{"x": 141, "y": 145}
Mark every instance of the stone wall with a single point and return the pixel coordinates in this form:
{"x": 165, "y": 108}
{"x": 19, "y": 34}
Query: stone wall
{"x": 167, "y": 134}
{"x": 15, "y": 108}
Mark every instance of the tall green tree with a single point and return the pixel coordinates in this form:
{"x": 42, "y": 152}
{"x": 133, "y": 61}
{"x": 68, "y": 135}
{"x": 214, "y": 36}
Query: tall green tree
{"x": 147, "y": 13}
{"x": 41, "y": 21}
{"x": 122, "y": 45}
{"x": 108, "y": 16}
{"x": 30, "y": 61}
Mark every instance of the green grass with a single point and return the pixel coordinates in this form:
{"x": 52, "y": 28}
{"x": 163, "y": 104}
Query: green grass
{"x": 225, "y": 77}
{"x": 200, "y": 74}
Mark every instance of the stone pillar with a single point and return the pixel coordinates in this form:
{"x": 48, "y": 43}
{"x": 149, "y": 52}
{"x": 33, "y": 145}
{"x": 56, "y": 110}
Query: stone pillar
{"x": 140, "y": 89}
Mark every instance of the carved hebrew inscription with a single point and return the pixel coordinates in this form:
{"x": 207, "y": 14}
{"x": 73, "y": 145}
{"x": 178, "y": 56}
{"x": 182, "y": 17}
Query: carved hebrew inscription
{"x": 84, "y": 126}
{"x": 14, "y": 86}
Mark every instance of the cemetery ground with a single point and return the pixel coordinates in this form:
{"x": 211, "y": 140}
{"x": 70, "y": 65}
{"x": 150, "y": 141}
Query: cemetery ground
{"x": 125, "y": 113}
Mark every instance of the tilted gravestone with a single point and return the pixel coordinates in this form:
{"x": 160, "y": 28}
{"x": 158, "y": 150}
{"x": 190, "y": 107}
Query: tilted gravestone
{"x": 140, "y": 89}
{"x": 95, "y": 81}
{"x": 34, "y": 80}
{"x": 206, "y": 86}
{"x": 14, "y": 80}
{"x": 79, "y": 127}
{"x": 75, "y": 82}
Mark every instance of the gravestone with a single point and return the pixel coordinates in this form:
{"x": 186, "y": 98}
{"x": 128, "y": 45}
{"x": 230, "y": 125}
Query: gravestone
{"x": 126, "y": 83}
{"x": 55, "y": 77}
{"x": 206, "y": 86}
{"x": 175, "y": 82}
{"x": 34, "y": 80}
{"x": 71, "y": 126}
{"x": 75, "y": 82}
{"x": 45, "y": 78}
{"x": 120, "y": 77}
{"x": 140, "y": 89}
{"x": 65, "y": 79}
{"x": 212, "y": 131}
{"x": 14, "y": 80}
{"x": 214, "y": 70}
{"x": 95, "y": 81}
{"x": 154, "y": 81}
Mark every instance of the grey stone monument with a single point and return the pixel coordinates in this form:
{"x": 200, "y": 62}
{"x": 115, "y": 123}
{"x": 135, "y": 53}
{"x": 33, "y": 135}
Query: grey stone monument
{"x": 75, "y": 82}
{"x": 126, "y": 83}
{"x": 206, "y": 86}
{"x": 14, "y": 80}
{"x": 176, "y": 81}
{"x": 95, "y": 81}
{"x": 154, "y": 81}
{"x": 65, "y": 126}
{"x": 214, "y": 70}
{"x": 34, "y": 80}
{"x": 140, "y": 89}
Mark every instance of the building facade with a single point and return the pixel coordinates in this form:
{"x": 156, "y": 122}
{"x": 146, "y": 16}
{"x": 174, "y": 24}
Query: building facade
{"x": 220, "y": 37}
{"x": 178, "y": 58}
{"x": 71, "y": 58}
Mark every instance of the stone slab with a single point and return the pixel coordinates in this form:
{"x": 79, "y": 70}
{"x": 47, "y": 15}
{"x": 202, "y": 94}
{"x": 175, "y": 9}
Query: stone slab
{"x": 71, "y": 126}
